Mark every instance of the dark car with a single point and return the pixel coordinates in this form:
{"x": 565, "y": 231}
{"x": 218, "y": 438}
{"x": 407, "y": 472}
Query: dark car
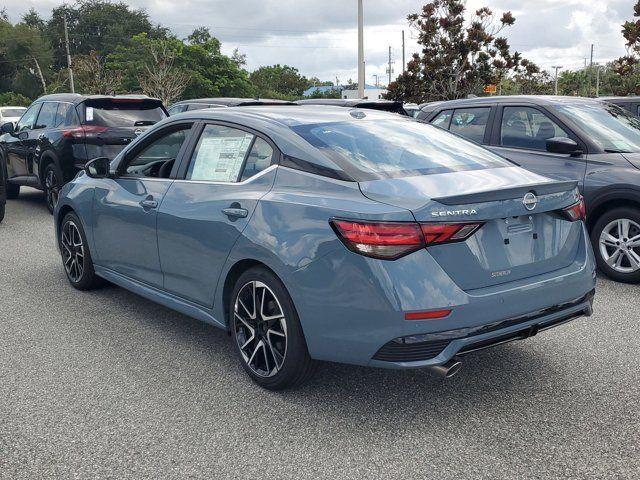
{"x": 631, "y": 104}
{"x": 3, "y": 193}
{"x": 592, "y": 142}
{"x": 59, "y": 133}
{"x": 381, "y": 105}
{"x": 222, "y": 102}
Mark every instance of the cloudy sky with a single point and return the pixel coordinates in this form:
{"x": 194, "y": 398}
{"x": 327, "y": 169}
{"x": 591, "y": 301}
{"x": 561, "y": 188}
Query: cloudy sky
{"x": 320, "y": 37}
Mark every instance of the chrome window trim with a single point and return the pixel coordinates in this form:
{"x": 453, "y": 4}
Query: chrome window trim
{"x": 244, "y": 182}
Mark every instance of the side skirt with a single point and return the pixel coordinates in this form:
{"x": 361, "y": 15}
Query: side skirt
{"x": 163, "y": 298}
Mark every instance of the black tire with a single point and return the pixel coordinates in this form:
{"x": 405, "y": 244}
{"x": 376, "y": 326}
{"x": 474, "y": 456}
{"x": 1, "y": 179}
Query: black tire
{"x": 11, "y": 191}
{"x": 296, "y": 365}
{"x": 2, "y": 209}
{"x": 604, "y": 222}
{"x": 86, "y": 279}
{"x": 52, "y": 182}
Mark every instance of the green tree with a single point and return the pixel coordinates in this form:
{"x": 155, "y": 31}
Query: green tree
{"x": 279, "y": 81}
{"x": 627, "y": 68}
{"x": 14, "y": 99}
{"x": 459, "y": 57}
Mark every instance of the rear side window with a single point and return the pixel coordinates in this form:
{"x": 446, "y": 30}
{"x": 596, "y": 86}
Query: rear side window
{"x": 470, "y": 123}
{"x": 122, "y": 113}
{"x": 220, "y": 154}
{"x": 66, "y": 115}
{"x": 370, "y": 149}
{"x": 527, "y": 127}
{"x": 260, "y": 157}
{"x": 47, "y": 115}
{"x": 177, "y": 109}
{"x": 443, "y": 119}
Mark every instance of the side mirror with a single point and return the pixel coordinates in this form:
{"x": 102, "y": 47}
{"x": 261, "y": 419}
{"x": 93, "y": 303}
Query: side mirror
{"x": 563, "y": 146}
{"x": 8, "y": 127}
{"x": 98, "y": 167}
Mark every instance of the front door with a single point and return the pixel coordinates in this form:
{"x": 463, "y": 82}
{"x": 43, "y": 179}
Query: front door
{"x": 207, "y": 208}
{"x": 126, "y": 207}
{"x": 521, "y": 137}
{"x": 21, "y": 145}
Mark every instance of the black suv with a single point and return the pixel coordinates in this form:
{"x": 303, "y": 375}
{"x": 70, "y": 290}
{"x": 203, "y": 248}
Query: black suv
{"x": 3, "y": 193}
{"x": 221, "y": 102}
{"x": 595, "y": 143}
{"x": 59, "y": 133}
{"x": 382, "y": 105}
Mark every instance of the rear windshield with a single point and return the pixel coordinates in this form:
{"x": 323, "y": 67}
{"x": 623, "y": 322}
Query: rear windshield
{"x": 12, "y": 112}
{"x": 122, "y": 114}
{"x": 370, "y": 149}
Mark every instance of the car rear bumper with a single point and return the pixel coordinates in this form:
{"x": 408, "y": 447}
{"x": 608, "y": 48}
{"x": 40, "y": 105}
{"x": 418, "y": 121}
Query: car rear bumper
{"x": 350, "y": 307}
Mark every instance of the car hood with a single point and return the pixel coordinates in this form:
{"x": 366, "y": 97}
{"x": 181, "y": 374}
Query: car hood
{"x": 633, "y": 158}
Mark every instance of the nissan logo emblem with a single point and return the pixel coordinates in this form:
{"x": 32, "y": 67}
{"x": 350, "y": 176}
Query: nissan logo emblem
{"x": 530, "y": 201}
{"x": 137, "y": 132}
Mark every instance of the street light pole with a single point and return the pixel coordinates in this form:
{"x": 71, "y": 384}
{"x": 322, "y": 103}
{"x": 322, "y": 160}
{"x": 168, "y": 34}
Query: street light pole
{"x": 597, "y": 80}
{"x": 361, "y": 77}
{"x": 557, "y": 67}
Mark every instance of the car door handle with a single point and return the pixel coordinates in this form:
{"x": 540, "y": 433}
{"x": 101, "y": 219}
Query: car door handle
{"x": 235, "y": 212}
{"x": 149, "y": 204}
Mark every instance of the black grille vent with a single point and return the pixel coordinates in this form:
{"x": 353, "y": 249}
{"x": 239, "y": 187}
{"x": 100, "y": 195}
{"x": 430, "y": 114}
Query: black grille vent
{"x": 395, "y": 351}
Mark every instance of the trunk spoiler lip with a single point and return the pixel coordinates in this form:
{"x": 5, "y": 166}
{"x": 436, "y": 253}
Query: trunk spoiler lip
{"x": 508, "y": 193}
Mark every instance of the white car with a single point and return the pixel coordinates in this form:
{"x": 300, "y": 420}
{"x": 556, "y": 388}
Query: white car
{"x": 11, "y": 114}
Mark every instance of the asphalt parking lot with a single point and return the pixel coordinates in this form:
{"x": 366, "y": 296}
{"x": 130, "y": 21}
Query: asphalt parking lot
{"x": 109, "y": 385}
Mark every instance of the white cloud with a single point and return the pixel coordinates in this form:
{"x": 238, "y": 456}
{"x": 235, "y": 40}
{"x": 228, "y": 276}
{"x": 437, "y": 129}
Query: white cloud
{"x": 320, "y": 37}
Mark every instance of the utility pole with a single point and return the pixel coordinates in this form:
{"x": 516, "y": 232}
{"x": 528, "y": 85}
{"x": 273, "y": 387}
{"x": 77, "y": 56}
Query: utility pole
{"x": 404, "y": 61}
{"x": 377, "y": 77}
{"x": 66, "y": 41}
{"x": 361, "y": 73}
{"x": 389, "y": 70}
{"x": 591, "y": 61}
{"x": 557, "y": 67}
{"x": 597, "y": 80}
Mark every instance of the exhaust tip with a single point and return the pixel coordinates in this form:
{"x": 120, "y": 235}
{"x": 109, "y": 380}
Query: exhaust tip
{"x": 448, "y": 370}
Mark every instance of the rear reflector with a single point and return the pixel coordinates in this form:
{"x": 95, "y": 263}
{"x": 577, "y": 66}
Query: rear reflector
{"x": 576, "y": 212}
{"x": 392, "y": 240}
{"x": 431, "y": 315}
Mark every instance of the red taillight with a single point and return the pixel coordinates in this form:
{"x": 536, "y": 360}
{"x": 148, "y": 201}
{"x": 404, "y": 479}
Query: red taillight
{"x": 577, "y": 211}
{"x": 437, "y": 233}
{"x": 379, "y": 240}
{"x": 84, "y": 131}
{"x": 392, "y": 240}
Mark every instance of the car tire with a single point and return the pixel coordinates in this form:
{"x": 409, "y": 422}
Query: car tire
{"x": 76, "y": 257}
{"x": 616, "y": 252}
{"x": 2, "y": 210}
{"x": 268, "y": 340}
{"x": 11, "y": 191}
{"x": 51, "y": 184}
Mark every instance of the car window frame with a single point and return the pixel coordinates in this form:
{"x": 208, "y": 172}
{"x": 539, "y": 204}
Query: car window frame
{"x": 497, "y": 131}
{"x": 37, "y": 106}
{"x": 197, "y": 133}
{"x": 145, "y": 142}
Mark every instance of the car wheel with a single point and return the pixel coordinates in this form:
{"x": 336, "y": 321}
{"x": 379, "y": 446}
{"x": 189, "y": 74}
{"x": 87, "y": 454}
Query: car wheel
{"x": 266, "y": 332}
{"x": 76, "y": 257}
{"x": 2, "y": 209}
{"x": 11, "y": 191}
{"x": 51, "y": 185}
{"x": 616, "y": 243}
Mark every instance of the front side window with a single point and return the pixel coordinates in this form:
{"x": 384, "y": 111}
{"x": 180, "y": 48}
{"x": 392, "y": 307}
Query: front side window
{"x": 370, "y": 149}
{"x": 220, "y": 154}
{"x": 443, "y": 119}
{"x": 527, "y": 127}
{"x": 47, "y": 115}
{"x": 157, "y": 158}
{"x": 29, "y": 118}
{"x": 470, "y": 123}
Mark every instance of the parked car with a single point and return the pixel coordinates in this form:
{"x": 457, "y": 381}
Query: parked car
{"x": 316, "y": 234}
{"x": 381, "y": 105}
{"x": 567, "y": 138}
{"x": 11, "y": 114}
{"x": 203, "y": 103}
{"x": 631, "y": 104}
{"x": 3, "y": 193}
{"x": 58, "y": 134}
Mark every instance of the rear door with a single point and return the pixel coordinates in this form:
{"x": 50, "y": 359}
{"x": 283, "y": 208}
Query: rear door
{"x": 209, "y": 205}
{"x": 126, "y": 207}
{"x": 110, "y": 124}
{"x": 520, "y": 134}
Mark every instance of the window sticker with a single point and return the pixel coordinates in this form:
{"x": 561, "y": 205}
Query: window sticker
{"x": 219, "y": 159}
{"x": 89, "y": 114}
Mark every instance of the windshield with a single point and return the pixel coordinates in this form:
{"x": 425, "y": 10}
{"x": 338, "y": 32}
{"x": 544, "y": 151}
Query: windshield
{"x": 396, "y": 148}
{"x": 12, "y": 112}
{"x": 609, "y": 126}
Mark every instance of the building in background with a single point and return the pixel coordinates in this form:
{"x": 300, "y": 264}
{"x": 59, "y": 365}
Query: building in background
{"x": 371, "y": 92}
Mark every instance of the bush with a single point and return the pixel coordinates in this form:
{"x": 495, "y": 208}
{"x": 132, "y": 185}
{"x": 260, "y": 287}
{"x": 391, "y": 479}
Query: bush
{"x": 14, "y": 99}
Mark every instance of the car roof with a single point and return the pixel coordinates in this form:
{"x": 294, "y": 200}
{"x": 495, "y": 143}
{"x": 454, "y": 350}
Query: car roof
{"x": 349, "y": 102}
{"x": 235, "y": 102}
{"x": 629, "y": 99}
{"x": 532, "y": 99}
{"x": 78, "y": 98}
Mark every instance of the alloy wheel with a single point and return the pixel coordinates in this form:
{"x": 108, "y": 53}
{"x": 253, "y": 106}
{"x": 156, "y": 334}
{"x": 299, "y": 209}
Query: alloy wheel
{"x": 260, "y": 329}
{"x": 72, "y": 251}
{"x": 52, "y": 188}
{"x": 620, "y": 245}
